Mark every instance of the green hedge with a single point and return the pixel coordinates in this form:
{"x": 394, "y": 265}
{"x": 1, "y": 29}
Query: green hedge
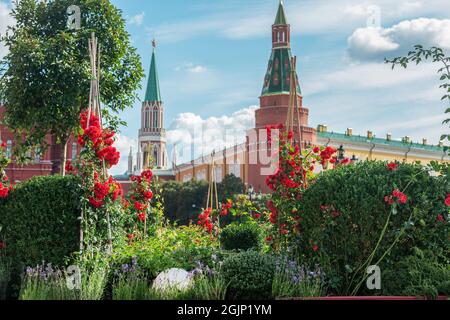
{"x": 345, "y": 234}
{"x": 183, "y": 201}
{"x": 418, "y": 275}
{"x": 40, "y": 220}
{"x": 243, "y": 236}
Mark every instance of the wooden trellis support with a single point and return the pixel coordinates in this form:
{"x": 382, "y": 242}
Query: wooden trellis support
{"x": 293, "y": 104}
{"x": 212, "y": 200}
{"x": 94, "y": 107}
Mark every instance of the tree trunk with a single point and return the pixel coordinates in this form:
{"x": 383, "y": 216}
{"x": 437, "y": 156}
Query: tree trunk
{"x": 63, "y": 156}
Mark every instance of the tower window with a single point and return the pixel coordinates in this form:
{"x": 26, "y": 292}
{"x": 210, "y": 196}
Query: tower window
{"x": 9, "y": 149}
{"x": 74, "y": 151}
{"x": 37, "y": 155}
{"x": 147, "y": 118}
{"x": 155, "y": 118}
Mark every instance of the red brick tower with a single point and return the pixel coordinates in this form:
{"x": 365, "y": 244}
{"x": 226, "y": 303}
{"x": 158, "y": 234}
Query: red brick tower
{"x": 274, "y": 100}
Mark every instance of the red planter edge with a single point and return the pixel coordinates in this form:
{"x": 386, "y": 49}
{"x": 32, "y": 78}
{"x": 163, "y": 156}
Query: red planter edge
{"x": 369, "y": 298}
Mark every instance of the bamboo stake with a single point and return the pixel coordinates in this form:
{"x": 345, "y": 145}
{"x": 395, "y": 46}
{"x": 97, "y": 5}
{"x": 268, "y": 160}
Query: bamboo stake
{"x": 94, "y": 107}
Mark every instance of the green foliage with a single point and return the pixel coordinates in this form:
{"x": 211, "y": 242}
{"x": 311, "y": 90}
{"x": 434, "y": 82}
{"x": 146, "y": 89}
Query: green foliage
{"x": 184, "y": 200}
{"x": 249, "y": 274}
{"x": 229, "y": 187}
{"x": 436, "y": 55}
{"x": 358, "y": 228}
{"x": 46, "y": 73}
{"x": 167, "y": 248}
{"x": 420, "y": 274}
{"x": 209, "y": 287}
{"x": 5, "y": 275}
{"x": 243, "y": 236}
{"x": 40, "y": 220}
{"x": 47, "y": 283}
{"x": 133, "y": 287}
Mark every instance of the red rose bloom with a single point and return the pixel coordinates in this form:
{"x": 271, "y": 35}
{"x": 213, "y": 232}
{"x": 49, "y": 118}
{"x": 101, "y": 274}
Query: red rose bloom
{"x": 392, "y": 166}
{"x": 3, "y": 191}
{"x": 447, "y": 200}
{"x": 139, "y": 206}
{"x": 148, "y": 195}
{"x": 316, "y": 150}
{"x": 142, "y": 216}
{"x": 95, "y": 203}
{"x": 2, "y": 245}
{"x": 315, "y": 248}
{"x": 147, "y": 174}
{"x": 440, "y": 218}
{"x": 101, "y": 190}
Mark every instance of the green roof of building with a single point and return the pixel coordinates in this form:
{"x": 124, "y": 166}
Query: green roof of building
{"x": 278, "y": 76}
{"x": 153, "y": 93}
{"x": 380, "y": 141}
{"x": 281, "y": 16}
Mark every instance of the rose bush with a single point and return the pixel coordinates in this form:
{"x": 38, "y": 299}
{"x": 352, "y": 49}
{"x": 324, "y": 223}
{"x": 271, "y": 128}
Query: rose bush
{"x": 295, "y": 169}
{"x": 102, "y": 201}
{"x": 371, "y": 214}
{"x": 5, "y": 185}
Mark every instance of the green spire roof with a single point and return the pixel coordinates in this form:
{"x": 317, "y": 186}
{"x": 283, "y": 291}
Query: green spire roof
{"x": 281, "y": 16}
{"x": 153, "y": 93}
{"x": 278, "y": 76}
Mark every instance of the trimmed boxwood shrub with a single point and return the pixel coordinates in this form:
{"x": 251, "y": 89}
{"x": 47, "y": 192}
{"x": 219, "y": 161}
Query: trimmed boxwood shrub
{"x": 418, "y": 275}
{"x": 344, "y": 213}
{"x": 40, "y": 220}
{"x": 250, "y": 275}
{"x": 243, "y": 236}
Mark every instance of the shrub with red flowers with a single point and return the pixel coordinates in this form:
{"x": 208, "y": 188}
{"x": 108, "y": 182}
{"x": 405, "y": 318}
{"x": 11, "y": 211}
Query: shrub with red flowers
{"x": 5, "y": 185}
{"x": 97, "y": 140}
{"x": 292, "y": 177}
{"x": 206, "y": 219}
{"x": 103, "y": 195}
{"x": 366, "y": 214}
{"x": 143, "y": 205}
{"x": 397, "y": 197}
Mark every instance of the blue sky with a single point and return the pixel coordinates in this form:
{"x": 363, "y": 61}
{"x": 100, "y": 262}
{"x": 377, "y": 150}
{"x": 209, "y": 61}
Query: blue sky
{"x": 212, "y": 57}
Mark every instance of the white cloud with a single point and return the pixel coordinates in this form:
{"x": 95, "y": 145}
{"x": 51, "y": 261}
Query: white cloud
{"x": 190, "y": 67}
{"x": 5, "y": 21}
{"x": 123, "y": 145}
{"x": 195, "y": 136}
{"x": 376, "y": 43}
{"x": 306, "y": 17}
{"x": 137, "y": 19}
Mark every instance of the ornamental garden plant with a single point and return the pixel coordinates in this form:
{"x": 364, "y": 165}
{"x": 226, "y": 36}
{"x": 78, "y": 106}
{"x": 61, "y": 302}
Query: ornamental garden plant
{"x": 314, "y": 236}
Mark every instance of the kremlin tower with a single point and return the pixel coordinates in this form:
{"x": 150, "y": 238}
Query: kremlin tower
{"x": 274, "y": 100}
{"x": 152, "y": 150}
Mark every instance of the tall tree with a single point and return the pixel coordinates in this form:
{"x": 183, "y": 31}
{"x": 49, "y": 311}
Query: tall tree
{"x": 436, "y": 55}
{"x": 45, "y": 77}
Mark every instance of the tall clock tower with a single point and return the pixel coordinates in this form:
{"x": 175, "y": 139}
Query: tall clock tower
{"x": 152, "y": 135}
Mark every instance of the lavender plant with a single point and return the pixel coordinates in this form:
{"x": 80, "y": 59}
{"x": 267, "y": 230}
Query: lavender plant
{"x": 294, "y": 280}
